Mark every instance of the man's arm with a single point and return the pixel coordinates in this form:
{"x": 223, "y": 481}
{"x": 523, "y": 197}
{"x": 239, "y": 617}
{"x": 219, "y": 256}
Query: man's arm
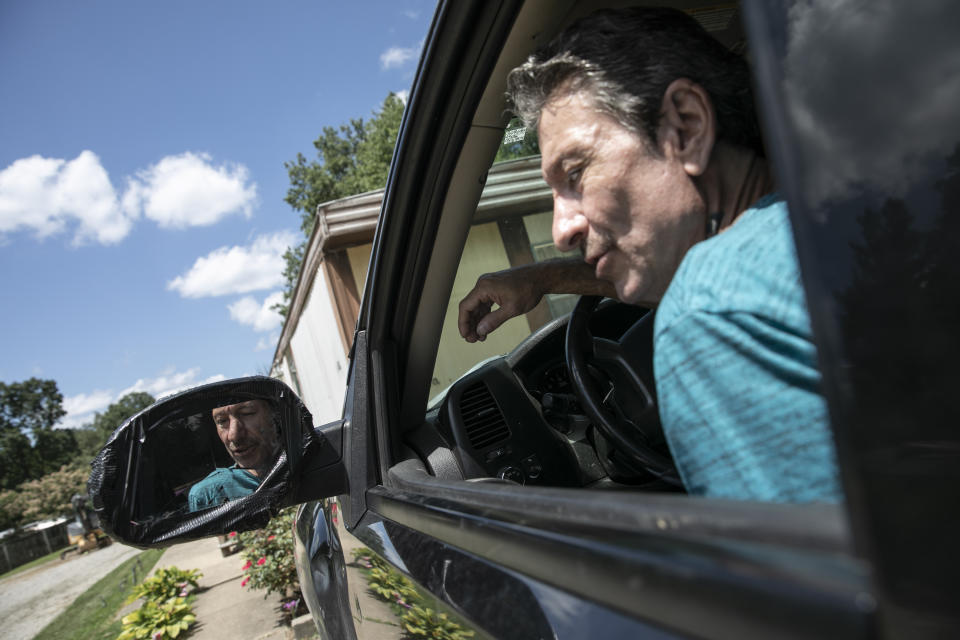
{"x": 520, "y": 289}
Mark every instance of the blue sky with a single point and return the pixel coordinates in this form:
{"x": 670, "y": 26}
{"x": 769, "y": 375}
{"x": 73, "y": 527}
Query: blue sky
{"x": 141, "y": 176}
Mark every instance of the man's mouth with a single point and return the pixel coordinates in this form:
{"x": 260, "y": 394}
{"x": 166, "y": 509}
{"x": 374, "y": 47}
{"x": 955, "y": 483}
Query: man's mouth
{"x": 241, "y": 451}
{"x": 595, "y": 250}
{"x": 600, "y": 261}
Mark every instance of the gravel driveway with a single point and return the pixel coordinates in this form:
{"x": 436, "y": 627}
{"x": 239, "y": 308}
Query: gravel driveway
{"x": 30, "y": 600}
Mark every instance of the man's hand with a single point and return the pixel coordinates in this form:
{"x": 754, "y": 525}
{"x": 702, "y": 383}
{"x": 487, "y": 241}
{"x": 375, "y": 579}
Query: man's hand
{"x": 514, "y": 291}
{"x": 518, "y": 290}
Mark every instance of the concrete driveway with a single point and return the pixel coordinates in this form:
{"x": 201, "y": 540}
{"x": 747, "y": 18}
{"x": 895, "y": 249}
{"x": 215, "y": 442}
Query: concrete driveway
{"x": 31, "y": 599}
{"x": 224, "y": 609}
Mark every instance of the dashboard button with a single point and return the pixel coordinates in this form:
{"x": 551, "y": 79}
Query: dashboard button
{"x": 513, "y": 474}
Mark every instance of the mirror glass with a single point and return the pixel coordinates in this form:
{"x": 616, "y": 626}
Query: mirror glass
{"x": 170, "y": 470}
{"x": 203, "y": 459}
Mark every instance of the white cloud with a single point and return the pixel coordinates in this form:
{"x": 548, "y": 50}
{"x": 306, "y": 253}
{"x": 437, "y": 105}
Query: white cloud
{"x": 268, "y": 343}
{"x": 46, "y": 194}
{"x": 88, "y": 402}
{"x": 398, "y": 56}
{"x": 187, "y": 191}
{"x": 260, "y": 316}
{"x": 237, "y": 269}
{"x": 82, "y": 408}
{"x": 169, "y": 382}
{"x": 403, "y": 94}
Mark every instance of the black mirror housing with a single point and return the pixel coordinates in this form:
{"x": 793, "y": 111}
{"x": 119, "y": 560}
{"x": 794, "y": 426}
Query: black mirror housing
{"x": 220, "y": 457}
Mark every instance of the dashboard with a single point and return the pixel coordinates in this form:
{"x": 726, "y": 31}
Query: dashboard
{"x": 517, "y": 418}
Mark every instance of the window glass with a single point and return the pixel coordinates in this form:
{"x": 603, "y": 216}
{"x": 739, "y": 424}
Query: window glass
{"x": 511, "y": 227}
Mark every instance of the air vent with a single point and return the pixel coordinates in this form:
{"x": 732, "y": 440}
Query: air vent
{"x": 482, "y": 418}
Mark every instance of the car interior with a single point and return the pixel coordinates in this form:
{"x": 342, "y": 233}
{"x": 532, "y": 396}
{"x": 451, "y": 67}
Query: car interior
{"x": 510, "y": 413}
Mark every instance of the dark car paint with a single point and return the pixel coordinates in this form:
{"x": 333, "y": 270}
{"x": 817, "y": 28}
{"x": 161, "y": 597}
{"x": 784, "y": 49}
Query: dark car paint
{"x": 322, "y": 570}
{"x": 645, "y": 565}
{"x": 882, "y": 275}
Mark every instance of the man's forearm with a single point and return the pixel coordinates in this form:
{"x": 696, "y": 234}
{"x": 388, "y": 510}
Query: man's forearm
{"x": 569, "y": 275}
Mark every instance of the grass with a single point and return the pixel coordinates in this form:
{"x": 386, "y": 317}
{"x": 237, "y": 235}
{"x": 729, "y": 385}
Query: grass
{"x": 33, "y": 563}
{"x": 92, "y": 615}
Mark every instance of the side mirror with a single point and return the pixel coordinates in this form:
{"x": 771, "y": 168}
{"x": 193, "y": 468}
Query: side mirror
{"x": 221, "y": 457}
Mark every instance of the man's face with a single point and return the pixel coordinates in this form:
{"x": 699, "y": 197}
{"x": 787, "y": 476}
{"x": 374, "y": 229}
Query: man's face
{"x": 247, "y": 432}
{"x": 634, "y": 213}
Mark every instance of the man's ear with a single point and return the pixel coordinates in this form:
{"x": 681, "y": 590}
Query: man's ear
{"x": 688, "y": 125}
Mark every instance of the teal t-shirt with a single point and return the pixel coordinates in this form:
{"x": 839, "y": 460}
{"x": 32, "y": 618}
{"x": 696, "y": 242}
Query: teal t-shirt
{"x": 736, "y": 368}
{"x": 223, "y": 484}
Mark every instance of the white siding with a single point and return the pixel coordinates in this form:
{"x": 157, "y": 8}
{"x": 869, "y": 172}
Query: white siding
{"x": 318, "y": 355}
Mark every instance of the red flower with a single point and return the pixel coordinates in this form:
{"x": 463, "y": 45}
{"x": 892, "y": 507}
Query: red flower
{"x": 245, "y": 581}
{"x": 261, "y": 561}
{"x": 271, "y": 538}
{"x": 246, "y": 566}
{"x": 232, "y": 534}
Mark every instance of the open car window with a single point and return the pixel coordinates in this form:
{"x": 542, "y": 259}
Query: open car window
{"x": 510, "y": 227}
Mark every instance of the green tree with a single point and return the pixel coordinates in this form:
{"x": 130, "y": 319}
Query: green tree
{"x": 91, "y": 437}
{"x": 352, "y": 158}
{"x": 11, "y": 509}
{"x": 18, "y": 462}
{"x": 49, "y": 496}
{"x": 29, "y": 444}
{"x": 31, "y": 405}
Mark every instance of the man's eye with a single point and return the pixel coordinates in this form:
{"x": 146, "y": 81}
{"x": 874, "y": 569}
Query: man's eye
{"x": 573, "y": 176}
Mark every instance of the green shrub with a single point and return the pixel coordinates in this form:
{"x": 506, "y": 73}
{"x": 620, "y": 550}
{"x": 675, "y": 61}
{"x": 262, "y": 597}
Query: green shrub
{"x": 423, "y": 622}
{"x": 166, "y": 583}
{"x": 392, "y": 586}
{"x": 418, "y": 620}
{"x": 270, "y": 562}
{"x": 166, "y": 610}
{"x": 368, "y": 559}
{"x": 158, "y": 621}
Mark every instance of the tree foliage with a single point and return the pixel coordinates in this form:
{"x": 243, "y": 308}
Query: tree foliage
{"x": 29, "y": 444}
{"x": 352, "y": 158}
{"x": 46, "y": 497}
{"x": 91, "y": 437}
{"x": 41, "y": 466}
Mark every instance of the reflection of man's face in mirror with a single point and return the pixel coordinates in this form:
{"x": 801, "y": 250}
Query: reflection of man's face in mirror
{"x": 247, "y": 431}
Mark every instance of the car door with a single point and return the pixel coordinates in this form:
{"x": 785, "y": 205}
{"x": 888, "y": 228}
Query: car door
{"x": 862, "y": 118}
{"x": 525, "y": 561}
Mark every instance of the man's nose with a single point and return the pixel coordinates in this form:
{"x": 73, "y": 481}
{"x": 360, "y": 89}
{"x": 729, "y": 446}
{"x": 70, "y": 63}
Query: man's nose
{"x": 234, "y": 428}
{"x": 569, "y": 224}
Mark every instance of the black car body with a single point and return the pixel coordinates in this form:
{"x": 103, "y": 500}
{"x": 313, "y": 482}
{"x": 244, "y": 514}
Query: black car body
{"x": 859, "y": 105}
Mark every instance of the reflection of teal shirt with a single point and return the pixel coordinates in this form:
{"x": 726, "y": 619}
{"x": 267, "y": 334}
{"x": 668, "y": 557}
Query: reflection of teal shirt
{"x": 736, "y": 368}
{"x": 223, "y": 484}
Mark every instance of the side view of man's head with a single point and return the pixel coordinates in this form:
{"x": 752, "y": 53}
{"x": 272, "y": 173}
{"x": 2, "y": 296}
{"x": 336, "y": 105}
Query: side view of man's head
{"x": 249, "y": 433}
{"x": 644, "y": 124}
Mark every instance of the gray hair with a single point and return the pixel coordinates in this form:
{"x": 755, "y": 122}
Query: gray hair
{"x": 625, "y": 59}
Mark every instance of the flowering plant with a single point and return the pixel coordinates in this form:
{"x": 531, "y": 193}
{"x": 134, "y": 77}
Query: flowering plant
{"x": 166, "y": 610}
{"x": 158, "y": 621}
{"x": 269, "y": 560}
{"x": 166, "y": 583}
{"x": 418, "y": 620}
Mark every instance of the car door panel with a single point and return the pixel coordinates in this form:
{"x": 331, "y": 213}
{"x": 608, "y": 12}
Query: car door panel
{"x": 693, "y": 566}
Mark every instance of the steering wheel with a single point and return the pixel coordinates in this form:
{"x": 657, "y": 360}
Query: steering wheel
{"x": 623, "y": 406}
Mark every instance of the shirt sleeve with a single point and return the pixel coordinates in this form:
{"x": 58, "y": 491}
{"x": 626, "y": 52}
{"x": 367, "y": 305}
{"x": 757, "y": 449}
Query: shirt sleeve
{"x": 197, "y": 498}
{"x": 740, "y": 404}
